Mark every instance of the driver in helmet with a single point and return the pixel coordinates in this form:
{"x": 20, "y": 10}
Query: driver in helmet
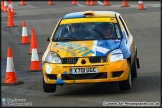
{"x": 76, "y": 27}
{"x": 104, "y": 30}
{"x": 78, "y": 30}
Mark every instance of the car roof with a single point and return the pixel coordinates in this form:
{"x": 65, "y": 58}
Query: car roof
{"x": 96, "y": 13}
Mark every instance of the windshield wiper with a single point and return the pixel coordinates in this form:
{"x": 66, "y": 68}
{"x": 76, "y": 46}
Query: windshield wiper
{"x": 65, "y": 38}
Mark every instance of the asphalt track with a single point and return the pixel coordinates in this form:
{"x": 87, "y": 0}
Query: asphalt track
{"x": 143, "y": 24}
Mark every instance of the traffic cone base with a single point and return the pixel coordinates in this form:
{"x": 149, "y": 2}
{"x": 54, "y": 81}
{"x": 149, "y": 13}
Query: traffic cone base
{"x": 17, "y": 83}
{"x": 142, "y": 9}
{"x": 11, "y": 26}
{"x": 22, "y": 5}
{"x": 106, "y": 3}
{"x": 10, "y": 77}
{"x": 87, "y": 2}
{"x": 24, "y": 40}
{"x": 24, "y": 43}
{"x": 34, "y": 70}
{"x": 50, "y": 2}
{"x": 92, "y": 3}
{"x": 125, "y": 3}
{"x": 125, "y": 6}
{"x": 74, "y": 2}
{"x": 34, "y": 64}
{"x": 141, "y": 6}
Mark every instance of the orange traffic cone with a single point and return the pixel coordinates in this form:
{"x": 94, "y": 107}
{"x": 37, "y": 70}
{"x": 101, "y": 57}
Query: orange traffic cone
{"x": 12, "y": 9}
{"x": 106, "y": 3}
{"x": 5, "y": 6}
{"x": 9, "y": 6}
{"x": 74, "y": 2}
{"x": 10, "y": 77}
{"x": 34, "y": 65}
{"x": 9, "y": 1}
{"x": 125, "y": 3}
{"x": 33, "y": 42}
{"x": 2, "y": 5}
{"x": 22, "y": 3}
{"x": 50, "y": 2}
{"x": 24, "y": 39}
{"x": 92, "y": 2}
{"x": 87, "y": 2}
{"x": 141, "y": 5}
{"x": 10, "y": 19}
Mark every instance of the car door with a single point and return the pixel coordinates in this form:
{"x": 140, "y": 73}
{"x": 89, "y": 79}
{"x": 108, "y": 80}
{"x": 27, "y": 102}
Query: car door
{"x": 129, "y": 38}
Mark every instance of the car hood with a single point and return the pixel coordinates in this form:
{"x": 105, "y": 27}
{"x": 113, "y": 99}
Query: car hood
{"x": 84, "y": 48}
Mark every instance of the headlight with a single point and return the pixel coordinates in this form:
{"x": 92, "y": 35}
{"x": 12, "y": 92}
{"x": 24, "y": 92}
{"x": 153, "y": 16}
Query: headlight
{"x": 116, "y": 55}
{"x": 52, "y": 57}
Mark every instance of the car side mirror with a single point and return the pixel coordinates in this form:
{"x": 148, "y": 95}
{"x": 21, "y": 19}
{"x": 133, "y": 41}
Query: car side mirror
{"x": 48, "y": 39}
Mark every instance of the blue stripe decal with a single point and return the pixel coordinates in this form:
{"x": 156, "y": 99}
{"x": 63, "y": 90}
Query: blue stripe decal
{"x": 59, "y": 81}
{"x": 124, "y": 48}
{"x": 105, "y": 46}
{"x": 65, "y": 72}
{"x": 71, "y": 71}
{"x": 74, "y": 15}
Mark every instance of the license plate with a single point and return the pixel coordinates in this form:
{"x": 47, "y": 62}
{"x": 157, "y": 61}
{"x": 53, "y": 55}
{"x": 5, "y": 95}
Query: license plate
{"x": 83, "y": 70}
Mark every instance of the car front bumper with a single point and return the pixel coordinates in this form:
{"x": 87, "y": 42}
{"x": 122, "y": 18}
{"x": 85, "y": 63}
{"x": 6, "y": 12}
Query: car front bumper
{"x": 60, "y": 73}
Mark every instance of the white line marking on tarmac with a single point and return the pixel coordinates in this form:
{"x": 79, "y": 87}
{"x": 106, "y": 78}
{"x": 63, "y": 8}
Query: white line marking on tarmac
{"x": 156, "y": 6}
{"x": 79, "y": 4}
{"x": 100, "y": 3}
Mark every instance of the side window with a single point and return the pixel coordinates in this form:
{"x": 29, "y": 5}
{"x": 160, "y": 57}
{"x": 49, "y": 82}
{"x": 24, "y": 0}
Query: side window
{"x": 117, "y": 31}
{"x": 126, "y": 24}
{"x": 122, "y": 21}
{"x": 58, "y": 31}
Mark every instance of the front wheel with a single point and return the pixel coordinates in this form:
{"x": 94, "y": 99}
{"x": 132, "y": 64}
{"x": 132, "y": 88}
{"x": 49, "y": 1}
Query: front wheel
{"x": 134, "y": 68}
{"x": 49, "y": 88}
{"x": 126, "y": 85}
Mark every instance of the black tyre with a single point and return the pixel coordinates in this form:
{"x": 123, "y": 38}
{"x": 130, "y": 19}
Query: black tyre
{"x": 134, "y": 68}
{"x": 126, "y": 85}
{"x": 49, "y": 88}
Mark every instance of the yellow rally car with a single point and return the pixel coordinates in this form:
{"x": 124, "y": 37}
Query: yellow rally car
{"x": 90, "y": 47}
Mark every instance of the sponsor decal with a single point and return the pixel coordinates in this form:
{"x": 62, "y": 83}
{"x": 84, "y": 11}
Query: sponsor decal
{"x": 74, "y": 48}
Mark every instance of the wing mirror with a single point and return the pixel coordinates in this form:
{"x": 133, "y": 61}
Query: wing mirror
{"x": 48, "y": 39}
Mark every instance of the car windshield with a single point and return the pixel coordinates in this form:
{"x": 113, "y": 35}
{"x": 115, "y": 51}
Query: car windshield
{"x": 87, "y": 31}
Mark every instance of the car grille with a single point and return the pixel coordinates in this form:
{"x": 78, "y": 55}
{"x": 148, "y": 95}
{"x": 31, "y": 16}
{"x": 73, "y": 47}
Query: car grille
{"x": 69, "y": 60}
{"x": 91, "y": 59}
{"x": 84, "y": 76}
{"x": 97, "y": 59}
